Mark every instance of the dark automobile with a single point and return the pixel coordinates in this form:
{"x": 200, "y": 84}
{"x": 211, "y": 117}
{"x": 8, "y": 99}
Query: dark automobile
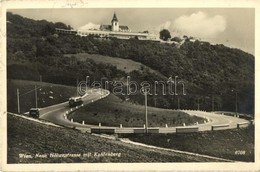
{"x": 75, "y": 101}
{"x": 34, "y": 112}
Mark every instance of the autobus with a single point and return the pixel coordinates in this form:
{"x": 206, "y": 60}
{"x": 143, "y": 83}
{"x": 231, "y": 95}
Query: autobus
{"x": 75, "y": 101}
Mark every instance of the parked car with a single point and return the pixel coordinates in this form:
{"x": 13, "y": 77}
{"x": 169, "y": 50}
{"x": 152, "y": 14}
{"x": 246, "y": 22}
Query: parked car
{"x": 34, "y": 112}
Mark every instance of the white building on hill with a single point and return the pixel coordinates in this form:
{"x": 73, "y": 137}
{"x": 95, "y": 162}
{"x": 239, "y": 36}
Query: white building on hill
{"x": 114, "y": 30}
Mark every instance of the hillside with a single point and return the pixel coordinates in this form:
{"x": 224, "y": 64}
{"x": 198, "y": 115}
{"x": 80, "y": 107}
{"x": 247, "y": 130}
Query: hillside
{"x": 112, "y": 111}
{"x": 125, "y": 65}
{"x": 210, "y": 72}
{"x": 225, "y": 143}
{"x": 47, "y": 94}
{"x": 31, "y": 138}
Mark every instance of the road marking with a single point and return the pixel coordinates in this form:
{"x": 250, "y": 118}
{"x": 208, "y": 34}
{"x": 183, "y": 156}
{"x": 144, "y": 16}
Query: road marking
{"x": 51, "y": 111}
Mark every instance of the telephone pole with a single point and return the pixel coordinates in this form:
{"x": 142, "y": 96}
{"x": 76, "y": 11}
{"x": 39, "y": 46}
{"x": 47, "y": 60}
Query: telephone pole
{"x": 236, "y": 102}
{"x": 236, "y": 99}
{"x": 146, "y": 118}
{"x": 36, "y": 101}
{"x": 87, "y": 83}
{"x": 198, "y": 103}
{"x": 18, "y": 101}
{"x": 178, "y": 103}
{"x": 213, "y": 103}
{"x": 77, "y": 87}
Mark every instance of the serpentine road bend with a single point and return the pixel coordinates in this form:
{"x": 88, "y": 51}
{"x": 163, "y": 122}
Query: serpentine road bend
{"x": 216, "y": 119}
{"x": 57, "y": 115}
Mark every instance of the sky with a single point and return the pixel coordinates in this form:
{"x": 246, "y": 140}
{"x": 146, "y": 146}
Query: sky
{"x": 233, "y": 27}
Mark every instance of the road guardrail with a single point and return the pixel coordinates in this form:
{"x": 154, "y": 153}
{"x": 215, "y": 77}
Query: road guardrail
{"x": 219, "y": 127}
{"x": 243, "y": 124}
{"x": 187, "y": 129}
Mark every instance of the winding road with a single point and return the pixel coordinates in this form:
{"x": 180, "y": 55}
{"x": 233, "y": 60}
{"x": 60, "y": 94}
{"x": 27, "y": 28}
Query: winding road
{"x": 217, "y": 120}
{"x": 57, "y": 114}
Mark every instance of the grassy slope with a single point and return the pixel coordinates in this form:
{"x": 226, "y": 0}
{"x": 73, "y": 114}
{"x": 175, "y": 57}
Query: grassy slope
{"x": 216, "y": 143}
{"x": 48, "y": 94}
{"x": 126, "y": 65}
{"x": 112, "y": 111}
{"x": 28, "y": 137}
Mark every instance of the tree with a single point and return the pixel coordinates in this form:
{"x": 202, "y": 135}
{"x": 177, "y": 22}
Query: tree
{"x": 165, "y": 34}
{"x": 61, "y": 25}
{"x": 176, "y": 39}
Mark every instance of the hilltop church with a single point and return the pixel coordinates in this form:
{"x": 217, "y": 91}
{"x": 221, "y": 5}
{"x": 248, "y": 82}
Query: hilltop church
{"x": 115, "y": 27}
{"x": 114, "y": 30}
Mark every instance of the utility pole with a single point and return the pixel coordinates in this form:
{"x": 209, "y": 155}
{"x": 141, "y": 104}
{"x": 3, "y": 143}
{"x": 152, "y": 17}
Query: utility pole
{"x": 236, "y": 99}
{"x": 36, "y": 101}
{"x": 236, "y": 103}
{"x": 198, "y": 103}
{"x": 212, "y": 103}
{"x": 146, "y": 118}
{"x": 87, "y": 83}
{"x": 18, "y": 101}
{"x": 77, "y": 87}
{"x": 178, "y": 103}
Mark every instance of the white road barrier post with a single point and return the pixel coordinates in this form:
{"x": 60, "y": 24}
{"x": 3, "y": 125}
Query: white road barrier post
{"x": 71, "y": 120}
{"x": 144, "y": 125}
{"x": 184, "y": 124}
{"x": 99, "y": 124}
{"x": 121, "y": 126}
{"x": 83, "y": 122}
{"x": 166, "y": 126}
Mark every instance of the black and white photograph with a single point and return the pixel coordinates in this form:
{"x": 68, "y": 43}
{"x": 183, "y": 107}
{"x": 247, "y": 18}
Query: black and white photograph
{"x": 129, "y": 85}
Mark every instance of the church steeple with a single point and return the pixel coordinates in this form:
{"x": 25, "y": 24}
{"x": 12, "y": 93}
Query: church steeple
{"x": 114, "y": 18}
{"x": 115, "y": 23}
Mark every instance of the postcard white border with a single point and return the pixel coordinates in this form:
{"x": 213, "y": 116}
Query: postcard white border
{"x": 20, "y": 4}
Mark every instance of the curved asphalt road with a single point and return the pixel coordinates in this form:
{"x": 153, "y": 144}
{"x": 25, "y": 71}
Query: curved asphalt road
{"x": 216, "y": 119}
{"x": 56, "y": 115}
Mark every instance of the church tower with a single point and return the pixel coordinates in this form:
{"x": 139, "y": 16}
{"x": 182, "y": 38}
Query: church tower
{"x": 115, "y": 23}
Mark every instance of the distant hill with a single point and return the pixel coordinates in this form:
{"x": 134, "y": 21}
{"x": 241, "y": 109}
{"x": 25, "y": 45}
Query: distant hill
{"x": 210, "y": 72}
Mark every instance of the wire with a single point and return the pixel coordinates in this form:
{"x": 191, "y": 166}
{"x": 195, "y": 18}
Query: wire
{"x": 31, "y": 90}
